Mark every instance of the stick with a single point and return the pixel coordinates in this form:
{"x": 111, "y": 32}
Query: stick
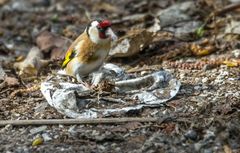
{"x": 78, "y": 121}
{"x": 222, "y": 11}
{"x": 228, "y": 8}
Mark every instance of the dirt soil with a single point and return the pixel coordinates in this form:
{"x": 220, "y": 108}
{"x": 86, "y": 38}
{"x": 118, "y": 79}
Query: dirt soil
{"x": 197, "y": 41}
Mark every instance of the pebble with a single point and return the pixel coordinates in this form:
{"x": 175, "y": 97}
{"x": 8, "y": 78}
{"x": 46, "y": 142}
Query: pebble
{"x": 182, "y": 75}
{"x": 207, "y": 151}
{"x": 46, "y": 137}
{"x": 72, "y": 129}
{"x": 38, "y": 129}
{"x": 191, "y": 134}
{"x": 197, "y": 88}
{"x": 6, "y": 128}
{"x": 21, "y": 5}
{"x": 204, "y": 80}
{"x": 236, "y": 53}
{"x": 209, "y": 135}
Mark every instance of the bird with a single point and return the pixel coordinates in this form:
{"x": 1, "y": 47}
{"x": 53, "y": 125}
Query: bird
{"x": 89, "y": 51}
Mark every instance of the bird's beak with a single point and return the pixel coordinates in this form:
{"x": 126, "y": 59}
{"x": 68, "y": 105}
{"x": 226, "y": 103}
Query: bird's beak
{"x": 111, "y": 34}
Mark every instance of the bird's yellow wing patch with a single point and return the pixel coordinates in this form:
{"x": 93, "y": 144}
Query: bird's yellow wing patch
{"x": 71, "y": 53}
{"x": 74, "y": 50}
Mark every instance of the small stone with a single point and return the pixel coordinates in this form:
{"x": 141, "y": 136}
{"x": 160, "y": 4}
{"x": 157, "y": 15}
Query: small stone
{"x": 191, "y": 134}
{"x": 46, "y": 137}
{"x": 197, "y": 79}
{"x": 41, "y": 107}
{"x": 21, "y": 5}
{"x": 207, "y": 151}
{"x": 204, "y": 80}
{"x": 197, "y": 87}
{"x": 236, "y": 53}
{"x": 38, "y": 129}
{"x": 2, "y": 73}
{"x": 6, "y": 128}
{"x": 209, "y": 135}
{"x": 197, "y": 146}
{"x": 72, "y": 130}
{"x": 182, "y": 76}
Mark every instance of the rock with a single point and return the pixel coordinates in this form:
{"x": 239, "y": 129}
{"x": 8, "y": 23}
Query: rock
{"x": 46, "y": 137}
{"x": 21, "y": 5}
{"x": 210, "y": 135}
{"x": 183, "y": 28}
{"x": 236, "y": 53}
{"x": 191, "y": 134}
{"x": 2, "y": 73}
{"x": 72, "y": 130}
{"x": 205, "y": 80}
{"x": 38, "y": 129}
{"x": 234, "y": 1}
{"x": 176, "y": 13}
{"x": 208, "y": 150}
{"x": 41, "y": 107}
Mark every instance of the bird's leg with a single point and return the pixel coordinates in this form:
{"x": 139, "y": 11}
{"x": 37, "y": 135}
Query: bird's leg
{"x": 79, "y": 79}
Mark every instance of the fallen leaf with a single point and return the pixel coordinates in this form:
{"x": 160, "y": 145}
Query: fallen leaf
{"x": 132, "y": 43}
{"x": 202, "y": 48}
{"x": 37, "y": 141}
{"x": 48, "y": 42}
{"x": 231, "y": 63}
{"x": 19, "y": 58}
{"x": 11, "y": 81}
{"x": 227, "y": 149}
{"x": 32, "y": 64}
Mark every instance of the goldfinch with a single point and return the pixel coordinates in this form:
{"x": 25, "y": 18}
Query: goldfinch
{"x": 88, "y": 52}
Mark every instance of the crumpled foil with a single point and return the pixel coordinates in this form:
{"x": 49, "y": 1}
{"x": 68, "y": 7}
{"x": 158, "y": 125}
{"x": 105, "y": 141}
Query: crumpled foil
{"x": 128, "y": 93}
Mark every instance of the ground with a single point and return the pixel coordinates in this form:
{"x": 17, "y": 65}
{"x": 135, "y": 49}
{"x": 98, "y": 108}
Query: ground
{"x": 199, "y": 46}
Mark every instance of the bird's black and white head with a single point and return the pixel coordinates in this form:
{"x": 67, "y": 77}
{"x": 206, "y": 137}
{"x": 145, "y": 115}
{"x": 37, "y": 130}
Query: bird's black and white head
{"x": 100, "y": 31}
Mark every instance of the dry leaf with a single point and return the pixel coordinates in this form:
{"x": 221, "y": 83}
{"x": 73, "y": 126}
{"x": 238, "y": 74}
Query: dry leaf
{"x": 227, "y": 149}
{"x": 232, "y": 63}
{"x": 37, "y": 141}
{"x": 203, "y": 48}
{"x": 48, "y": 41}
{"x": 132, "y": 43}
{"x": 11, "y": 81}
{"x": 32, "y": 64}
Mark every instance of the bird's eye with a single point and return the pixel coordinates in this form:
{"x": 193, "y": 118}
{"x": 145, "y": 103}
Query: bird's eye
{"x": 101, "y": 29}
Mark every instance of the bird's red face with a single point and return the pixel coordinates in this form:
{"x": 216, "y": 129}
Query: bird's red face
{"x": 102, "y": 28}
{"x": 100, "y": 31}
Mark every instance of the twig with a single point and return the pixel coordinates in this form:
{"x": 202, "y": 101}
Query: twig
{"x": 227, "y": 8}
{"x": 112, "y": 100}
{"x": 222, "y": 11}
{"x": 78, "y": 121}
